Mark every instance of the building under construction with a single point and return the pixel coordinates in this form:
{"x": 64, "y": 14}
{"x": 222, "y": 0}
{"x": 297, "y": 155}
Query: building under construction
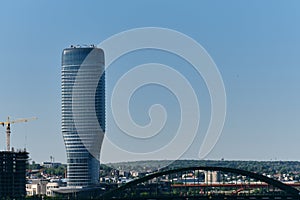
{"x": 13, "y": 174}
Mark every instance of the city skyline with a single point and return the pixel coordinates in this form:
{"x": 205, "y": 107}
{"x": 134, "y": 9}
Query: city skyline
{"x": 255, "y": 46}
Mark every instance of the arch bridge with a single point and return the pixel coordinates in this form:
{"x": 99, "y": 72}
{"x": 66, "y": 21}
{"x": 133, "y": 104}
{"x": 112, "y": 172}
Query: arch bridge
{"x": 204, "y": 183}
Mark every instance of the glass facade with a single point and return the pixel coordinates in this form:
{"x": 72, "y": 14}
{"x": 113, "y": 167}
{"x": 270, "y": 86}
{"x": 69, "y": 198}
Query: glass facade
{"x": 83, "y": 112}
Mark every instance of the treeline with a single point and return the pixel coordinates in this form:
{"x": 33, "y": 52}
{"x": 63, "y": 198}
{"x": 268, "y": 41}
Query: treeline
{"x": 268, "y": 167}
{"x": 56, "y": 170}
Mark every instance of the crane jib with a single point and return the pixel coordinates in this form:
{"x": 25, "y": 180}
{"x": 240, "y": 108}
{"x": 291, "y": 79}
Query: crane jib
{"x": 7, "y": 123}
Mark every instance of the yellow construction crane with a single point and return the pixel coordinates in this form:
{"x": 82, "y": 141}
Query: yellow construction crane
{"x": 7, "y": 123}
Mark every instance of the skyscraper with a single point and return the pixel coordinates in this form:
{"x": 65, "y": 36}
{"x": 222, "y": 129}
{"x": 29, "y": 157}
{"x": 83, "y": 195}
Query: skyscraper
{"x": 83, "y": 112}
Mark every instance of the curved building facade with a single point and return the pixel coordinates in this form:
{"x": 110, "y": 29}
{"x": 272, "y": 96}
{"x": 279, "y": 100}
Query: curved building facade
{"x": 83, "y": 112}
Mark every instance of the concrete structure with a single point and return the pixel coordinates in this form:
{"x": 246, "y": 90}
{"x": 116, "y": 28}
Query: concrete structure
{"x": 83, "y": 113}
{"x": 13, "y": 174}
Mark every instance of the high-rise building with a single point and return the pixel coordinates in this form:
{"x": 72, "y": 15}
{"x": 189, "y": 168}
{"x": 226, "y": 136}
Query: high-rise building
{"x": 13, "y": 174}
{"x": 212, "y": 177}
{"x": 83, "y": 112}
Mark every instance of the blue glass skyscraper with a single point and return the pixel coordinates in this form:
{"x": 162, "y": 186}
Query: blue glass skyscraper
{"x": 83, "y": 112}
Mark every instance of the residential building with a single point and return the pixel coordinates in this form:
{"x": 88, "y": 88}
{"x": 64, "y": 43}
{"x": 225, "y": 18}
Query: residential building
{"x": 49, "y": 188}
{"x": 13, "y": 174}
{"x": 212, "y": 176}
{"x": 83, "y": 112}
{"x": 42, "y": 187}
{"x": 36, "y": 187}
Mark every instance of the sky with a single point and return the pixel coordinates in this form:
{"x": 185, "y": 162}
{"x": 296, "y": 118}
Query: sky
{"x": 255, "y": 45}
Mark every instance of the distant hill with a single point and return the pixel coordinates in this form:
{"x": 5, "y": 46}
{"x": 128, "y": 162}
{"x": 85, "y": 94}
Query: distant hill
{"x": 269, "y": 167}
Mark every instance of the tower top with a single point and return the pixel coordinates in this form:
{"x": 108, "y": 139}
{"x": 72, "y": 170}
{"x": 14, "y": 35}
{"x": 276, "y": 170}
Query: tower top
{"x": 83, "y": 46}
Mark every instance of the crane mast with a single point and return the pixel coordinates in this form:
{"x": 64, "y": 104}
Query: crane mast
{"x": 8, "y": 132}
{"x": 8, "y": 137}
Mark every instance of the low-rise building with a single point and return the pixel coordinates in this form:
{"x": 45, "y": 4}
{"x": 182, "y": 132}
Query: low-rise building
{"x": 51, "y": 164}
{"x": 36, "y": 187}
{"x": 49, "y": 188}
{"x": 40, "y": 187}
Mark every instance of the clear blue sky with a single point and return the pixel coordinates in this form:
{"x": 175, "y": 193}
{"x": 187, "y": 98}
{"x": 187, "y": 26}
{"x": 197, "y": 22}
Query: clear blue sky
{"x": 255, "y": 44}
